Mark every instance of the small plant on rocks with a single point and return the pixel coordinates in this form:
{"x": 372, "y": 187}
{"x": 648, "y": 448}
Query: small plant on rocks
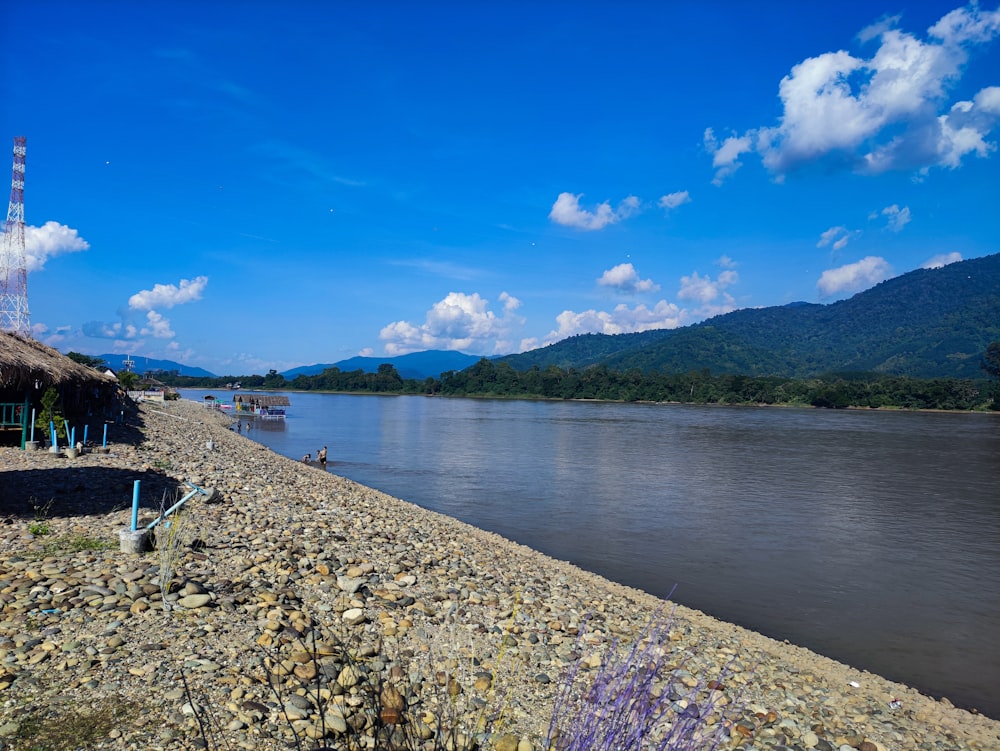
{"x": 77, "y": 544}
{"x": 76, "y": 728}
{"x": 636, "y": 701}
{"x": 171, "y": 534}
{"x": 40, "y": 526}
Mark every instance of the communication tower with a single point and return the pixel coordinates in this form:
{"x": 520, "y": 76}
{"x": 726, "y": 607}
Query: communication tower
{"x": 13, "y": 265}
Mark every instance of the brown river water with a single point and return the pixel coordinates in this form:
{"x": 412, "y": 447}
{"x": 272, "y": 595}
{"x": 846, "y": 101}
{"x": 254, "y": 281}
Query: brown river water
{"x": 872, "y": 537}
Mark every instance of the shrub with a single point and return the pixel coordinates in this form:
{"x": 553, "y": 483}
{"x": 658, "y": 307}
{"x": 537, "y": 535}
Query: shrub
{"x": 636, "y": 701}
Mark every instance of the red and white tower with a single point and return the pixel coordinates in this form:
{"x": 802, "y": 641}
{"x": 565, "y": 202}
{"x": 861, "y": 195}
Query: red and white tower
{"x": 13, "y": 264}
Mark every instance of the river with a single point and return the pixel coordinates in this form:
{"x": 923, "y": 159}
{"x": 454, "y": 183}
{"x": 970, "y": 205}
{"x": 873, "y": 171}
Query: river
{"x": 872, "y": 537}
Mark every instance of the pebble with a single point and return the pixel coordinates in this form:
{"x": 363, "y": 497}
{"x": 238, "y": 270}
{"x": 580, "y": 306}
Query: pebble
{"x": 287, "y": 553}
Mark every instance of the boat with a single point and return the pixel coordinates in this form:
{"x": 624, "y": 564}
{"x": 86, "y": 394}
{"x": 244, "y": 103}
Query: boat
{"x": 260, "y": 406}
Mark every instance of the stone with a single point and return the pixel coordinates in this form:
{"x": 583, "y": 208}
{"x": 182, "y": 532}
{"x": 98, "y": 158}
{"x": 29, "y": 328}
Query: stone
{"x": 353, "y": 616}
{"x": 348, "y": 677}
{"x": 350, "y": 584}
{"x": 294, "y": 712}
{"x": 506, "y": 742}
{"x": 194, "y": 601}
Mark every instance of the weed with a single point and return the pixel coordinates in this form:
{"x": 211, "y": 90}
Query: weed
{"x": 76, "y": 728}
{"x": 171, "y": 533}
{"x": 77, "y": 544}
{"x": 636, "y": 700}
{"x": 40, "y": 526}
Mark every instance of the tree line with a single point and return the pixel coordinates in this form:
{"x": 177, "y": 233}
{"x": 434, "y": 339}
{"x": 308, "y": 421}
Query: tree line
{"x": 488, "y": 378}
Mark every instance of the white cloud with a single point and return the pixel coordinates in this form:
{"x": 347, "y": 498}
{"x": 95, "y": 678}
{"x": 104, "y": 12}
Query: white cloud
{"x": 622, "y": 320}
{"x": 830, "y": 236}
{"x": 967, "y": 25}
{"x": 726, "y": 156}
{"x": 157, "y": 326}
{"x": 123, "y": 332}
{"x": 886, "y": 112}
{"x": 705, "y": 290}
{"x": 942, "y": 259}
{"x": 168, "y": 295}
{"x": 836, "y": 237}
{"x": 45, "y": 242}
{"x": 567, "y": 211}
{"x": 854, "y": 277}
{"x": 624, "y": 278}
{"x": 726, "y": 262}
{"x": 673, "y": 200}
{"x": 964, "y": 129}
{"x": 897, "y": 218}
{"x": 510, "y": 303}
{"x": 458, "y": 322}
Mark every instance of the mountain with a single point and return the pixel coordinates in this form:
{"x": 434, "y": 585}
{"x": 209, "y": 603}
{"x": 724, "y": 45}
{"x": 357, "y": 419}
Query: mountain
{"x": 145, "y": 364}
{"x": 416, "y": 365}
{"x": 927, "y": 323}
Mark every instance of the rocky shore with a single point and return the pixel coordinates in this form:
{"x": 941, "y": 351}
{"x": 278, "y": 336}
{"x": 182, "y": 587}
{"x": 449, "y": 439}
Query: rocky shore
{"x": 283, "y": 552}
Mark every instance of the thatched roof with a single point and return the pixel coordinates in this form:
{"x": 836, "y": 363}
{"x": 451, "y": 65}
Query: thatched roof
{"x": 264, "y": 400}
{"x": 25, "y": 361}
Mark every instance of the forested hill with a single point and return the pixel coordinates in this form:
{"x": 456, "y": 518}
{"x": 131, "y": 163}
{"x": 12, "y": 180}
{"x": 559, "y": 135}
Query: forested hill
{"x": 927, "y": 323}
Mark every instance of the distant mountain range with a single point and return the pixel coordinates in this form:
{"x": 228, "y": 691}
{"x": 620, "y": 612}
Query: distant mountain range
{"x": 145, "y": 364}
{"x": 416, "y": 365}
{"x": 926, "y": 323}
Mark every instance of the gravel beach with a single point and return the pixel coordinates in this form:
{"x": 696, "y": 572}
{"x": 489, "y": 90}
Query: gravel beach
{"x": 282, "y": 550}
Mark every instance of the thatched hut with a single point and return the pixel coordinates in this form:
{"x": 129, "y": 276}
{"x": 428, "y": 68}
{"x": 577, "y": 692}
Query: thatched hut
{"x": 264, "y": 406}
{"x": 28, "y": 369}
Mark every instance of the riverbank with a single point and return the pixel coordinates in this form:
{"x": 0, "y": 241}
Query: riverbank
{"x": 289, "y": 545}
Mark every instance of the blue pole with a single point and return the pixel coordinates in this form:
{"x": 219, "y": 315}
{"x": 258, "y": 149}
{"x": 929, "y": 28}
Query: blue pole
{"x": 85, "y": 434}
{"x": 176, "y": 506}
{"x": 135, "y": 505}
{"x": 52, "y": 432}
{"x": 32, "y": 426}
{"x": 104, "y": 444}
{"x": 71, "y": 434}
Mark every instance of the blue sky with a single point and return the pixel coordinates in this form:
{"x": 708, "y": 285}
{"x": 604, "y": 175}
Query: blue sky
{"x": 246, "y": 185}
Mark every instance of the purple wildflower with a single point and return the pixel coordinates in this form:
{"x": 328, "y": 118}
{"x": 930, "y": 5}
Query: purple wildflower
{"x": 634, "y": 702}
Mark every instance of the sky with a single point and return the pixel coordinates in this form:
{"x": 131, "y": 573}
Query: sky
{"x": 244, "y": 186}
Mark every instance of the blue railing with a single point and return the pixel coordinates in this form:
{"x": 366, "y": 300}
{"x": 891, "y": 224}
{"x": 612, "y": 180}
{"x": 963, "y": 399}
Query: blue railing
{"x": 14, "y": 415}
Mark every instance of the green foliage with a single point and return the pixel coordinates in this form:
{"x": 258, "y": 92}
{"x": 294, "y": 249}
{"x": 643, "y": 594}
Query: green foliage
{"x": 40, "y": 526}
{"x": 70, "y": 544}
{"x": 90, "y": 362}
{"x": 385, "y": 381}
{"x": 77, "y": 543}
{"x": 497, "y": 378}
{"x": 127, "y": 379}
{"x": 50, "y": 414}
{"x": 991, "y": 360}
{"x": 273, "y": 380}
